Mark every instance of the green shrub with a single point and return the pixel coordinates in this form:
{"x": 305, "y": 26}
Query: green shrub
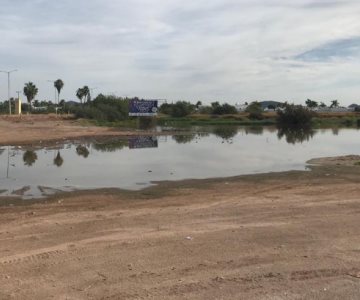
{"x": 294, "y": 116}
{"x": 166, "y": 108}
{"x": 103, "y": 108}
{"x": 348, "y": 122}
{"x": 179, "y": 109}
{"x": 205, "y": 110}
{"x": 255, "y": 111}
{"x": 224, "y": 109}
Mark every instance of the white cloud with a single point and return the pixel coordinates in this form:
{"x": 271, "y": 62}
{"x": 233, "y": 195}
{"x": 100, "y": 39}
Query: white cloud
{"x": 216, "y": 49}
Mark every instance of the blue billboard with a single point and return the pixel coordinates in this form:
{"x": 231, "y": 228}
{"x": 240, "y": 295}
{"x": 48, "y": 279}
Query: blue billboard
{"x": 143, "y": 108}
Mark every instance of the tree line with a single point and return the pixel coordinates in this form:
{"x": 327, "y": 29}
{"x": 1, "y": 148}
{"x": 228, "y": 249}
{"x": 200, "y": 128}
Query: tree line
{"x": 30, "y": 91}
{"x": 313, "y": 104}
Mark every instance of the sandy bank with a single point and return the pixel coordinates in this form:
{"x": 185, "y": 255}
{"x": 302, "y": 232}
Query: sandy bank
{"x": 292, "y": 235}
{"x": 30, "y": 129}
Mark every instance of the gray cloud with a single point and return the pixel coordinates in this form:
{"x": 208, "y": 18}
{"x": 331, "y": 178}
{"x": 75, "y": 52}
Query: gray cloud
{"x": 339, "y": 49}
{"x": 202, "y": 49}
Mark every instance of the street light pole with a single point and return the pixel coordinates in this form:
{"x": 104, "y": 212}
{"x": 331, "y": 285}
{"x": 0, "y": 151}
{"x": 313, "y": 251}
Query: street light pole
{"x": 8, "y": 73}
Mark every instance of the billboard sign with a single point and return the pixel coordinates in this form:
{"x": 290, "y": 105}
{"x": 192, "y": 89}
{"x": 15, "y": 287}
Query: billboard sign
{"x": 140, "y": 142}
{"x": 143, "y": 108}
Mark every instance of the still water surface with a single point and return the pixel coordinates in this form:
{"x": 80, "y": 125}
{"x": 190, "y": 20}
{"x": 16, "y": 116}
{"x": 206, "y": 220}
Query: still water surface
{"x": 136, "y": 163}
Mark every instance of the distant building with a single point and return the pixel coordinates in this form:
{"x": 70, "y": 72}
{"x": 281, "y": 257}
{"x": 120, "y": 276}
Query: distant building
{"x": 353, "y": 107}
{"x": 326, "y": 109}
{"x": 270, "y": 105}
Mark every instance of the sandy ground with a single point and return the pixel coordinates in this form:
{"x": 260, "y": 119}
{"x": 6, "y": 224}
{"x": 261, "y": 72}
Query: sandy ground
{"x": 29, "y": 129}
{"x": 291, "y": 235}
{"x": 348, "y": 160}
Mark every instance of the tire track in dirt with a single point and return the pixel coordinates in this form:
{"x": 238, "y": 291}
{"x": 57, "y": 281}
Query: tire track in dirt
{"x": 43, "y": 254}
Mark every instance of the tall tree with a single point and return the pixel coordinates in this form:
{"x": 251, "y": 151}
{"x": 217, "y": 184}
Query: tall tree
{"x": 86, "y": 95}
{"x": 79, "y": 94}
{"x": 311, "y": 104}
{"x": 83, "y": 94}
{"x": 58, "y": 84}
{"x": 30, "y": 91}
{"x": 334, "y": 103}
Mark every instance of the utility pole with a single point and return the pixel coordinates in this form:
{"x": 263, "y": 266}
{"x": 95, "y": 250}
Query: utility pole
{"x": 18, "y": 93}
{"x": 8, "y": 73}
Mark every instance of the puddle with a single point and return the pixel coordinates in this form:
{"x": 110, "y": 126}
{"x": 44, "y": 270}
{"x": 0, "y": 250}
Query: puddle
{"x": 137, "y": 162}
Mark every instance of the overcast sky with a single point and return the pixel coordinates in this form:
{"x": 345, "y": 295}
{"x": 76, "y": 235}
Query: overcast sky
{"x": 226, "y": 50}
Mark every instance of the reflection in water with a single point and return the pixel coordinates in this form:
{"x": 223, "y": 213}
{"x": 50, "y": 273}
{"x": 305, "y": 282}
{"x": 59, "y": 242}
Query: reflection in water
{"x": 225, "y": 132}
{"x": 184, "y": 139}
{"x": 202, "y": 134}
{"x": 335, "y": 131}
{"x": 294, "y": 136}
{"x": 200, "y": 155}
{"x": 58, "y": 160}
{"x": 258, "y": 130}
{"x": 29, "y": 158}
{"x": 111, "y": 146}
{"x": 140, "y": 142}
{"x": 82, "y": 151}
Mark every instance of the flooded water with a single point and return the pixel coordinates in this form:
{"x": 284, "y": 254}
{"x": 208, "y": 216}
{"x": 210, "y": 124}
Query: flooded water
{"x": 136, "y": 163}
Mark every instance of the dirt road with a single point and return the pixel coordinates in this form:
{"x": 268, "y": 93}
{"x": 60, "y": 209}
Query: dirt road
{"x": 291, "y": 235}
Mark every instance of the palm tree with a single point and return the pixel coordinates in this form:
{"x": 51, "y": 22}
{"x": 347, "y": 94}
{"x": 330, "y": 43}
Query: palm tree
{"x": 80, "y": 94}
{"x": 86, "y": 95}
{"x": 58, "y": 84}
{"x": 30, "y": 91}
{"x": 83, "y": 94}
{"x": 334, "y": 103}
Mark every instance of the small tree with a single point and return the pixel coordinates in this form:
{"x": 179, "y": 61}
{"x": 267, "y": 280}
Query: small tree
{"x": 30, "y": 91}
{"x": 182, "y": 109}
{"x": 165, "y": 108}
{"x": 311, "y": 104}
{"x": 255, "y": 111}
{"x": 224, "y": 109}
{"x": 334, "y": 103}
{"x": 294, "y": 116}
